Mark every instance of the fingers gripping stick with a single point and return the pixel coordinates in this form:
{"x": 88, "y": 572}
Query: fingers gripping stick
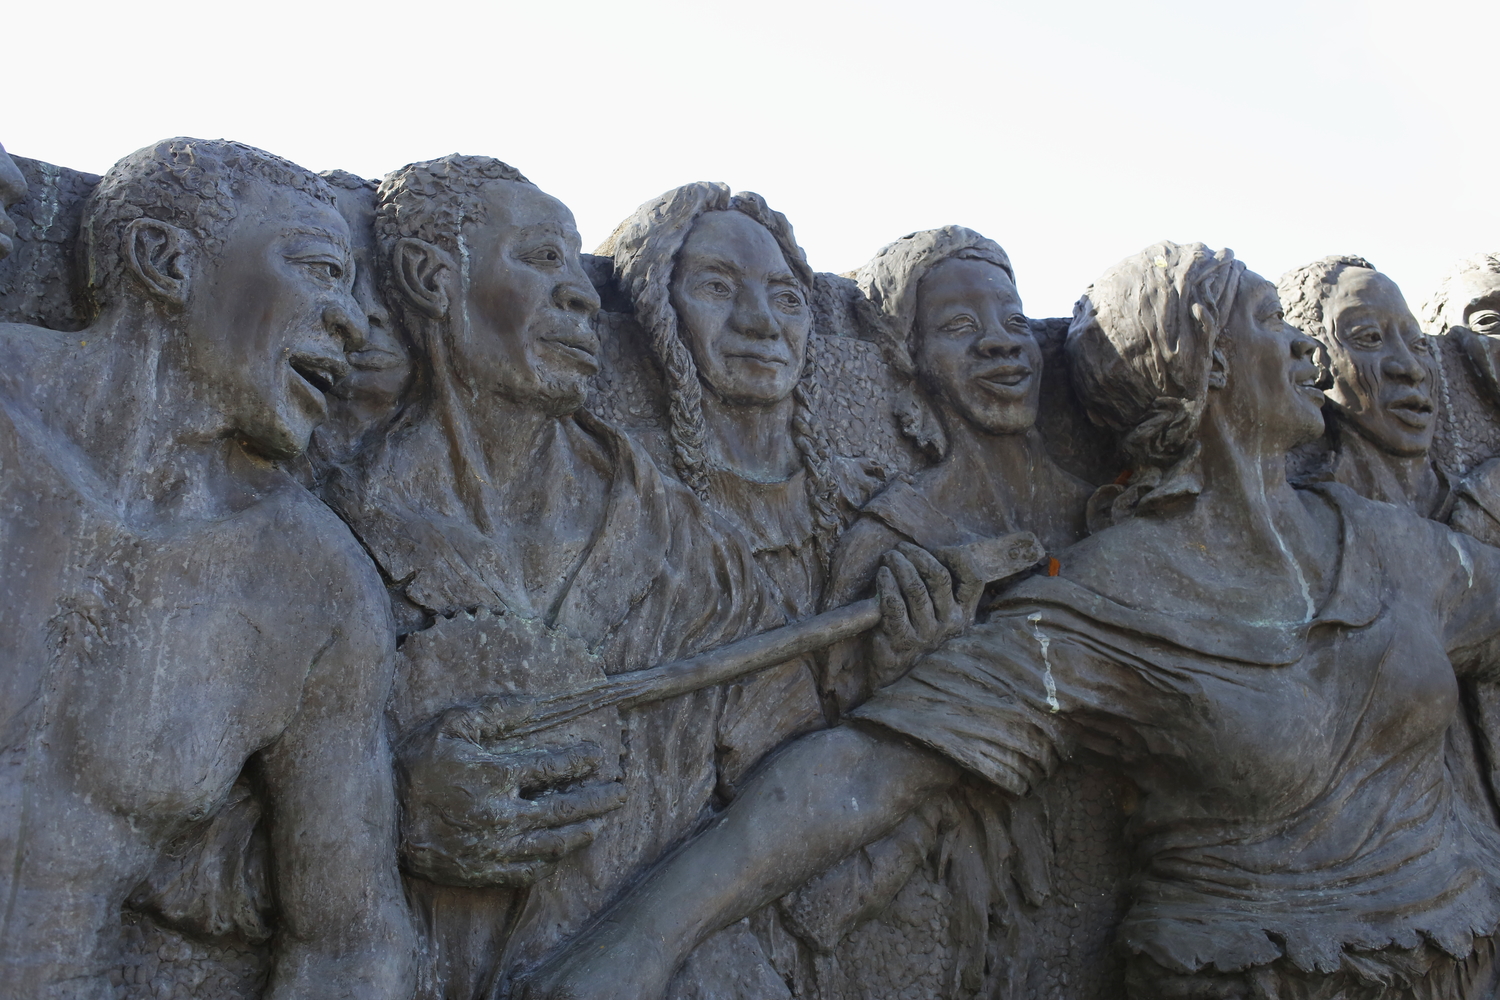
{"x": 973, "y": 565}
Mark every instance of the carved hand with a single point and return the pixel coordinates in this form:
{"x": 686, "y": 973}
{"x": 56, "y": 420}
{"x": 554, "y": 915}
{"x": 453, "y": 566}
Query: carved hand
{"x": 918, "y": 609}
{"x": 480, "y": 810}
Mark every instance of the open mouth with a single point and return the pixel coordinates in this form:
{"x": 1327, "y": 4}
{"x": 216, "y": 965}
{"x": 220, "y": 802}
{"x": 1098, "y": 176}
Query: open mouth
{"x": 1414, "y": 410}
{"x": 1004, "y": 377}
{"x": 1307, "y": 378}
{"x": 320, "y": 373}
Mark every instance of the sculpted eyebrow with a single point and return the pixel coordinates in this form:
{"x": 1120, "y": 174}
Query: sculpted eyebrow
{"x": 717, "y": 264}
{"x": 321, "y": 234}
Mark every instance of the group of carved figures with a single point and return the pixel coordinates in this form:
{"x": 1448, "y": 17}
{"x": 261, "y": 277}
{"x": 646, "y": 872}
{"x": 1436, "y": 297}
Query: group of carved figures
{"x": 337, "y": 516}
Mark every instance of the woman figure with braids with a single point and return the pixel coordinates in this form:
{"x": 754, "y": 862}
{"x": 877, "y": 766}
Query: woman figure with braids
{"x": 1277, "y": 667}
{"x": 722, "y": 291}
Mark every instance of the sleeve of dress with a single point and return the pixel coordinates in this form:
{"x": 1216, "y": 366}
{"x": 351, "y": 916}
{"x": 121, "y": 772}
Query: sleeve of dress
{"x": 1469, "y": 602}
{"x": 1012, "y": 697}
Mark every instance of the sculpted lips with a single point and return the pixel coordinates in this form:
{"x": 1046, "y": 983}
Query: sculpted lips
{"x": 764, "y": 359}
{"x": 320, "y": 372}
{"x": 1411, "y": 408}
{"x": 1306, "y": 377}
{"x": 580, "y": 349}
{"x": 1004, "y": 376}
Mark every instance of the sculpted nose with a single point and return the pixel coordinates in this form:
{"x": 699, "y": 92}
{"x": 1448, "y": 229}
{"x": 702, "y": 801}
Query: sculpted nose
{"x": 348, "y": 325}
{"x": 998, "y": 342}
{"x": 752, "y": 314}
{"x": 1403, "y": 363}
{"x": 576, "y": 296}
{"x": 1303, "y": 346}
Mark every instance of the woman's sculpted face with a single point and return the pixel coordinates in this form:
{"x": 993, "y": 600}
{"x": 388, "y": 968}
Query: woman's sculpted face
{"x": 1272, "y": 372}
{"x": 741, "y": 310}
{"x": 975, "y": 349}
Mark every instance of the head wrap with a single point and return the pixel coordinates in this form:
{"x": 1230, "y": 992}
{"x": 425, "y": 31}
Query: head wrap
{"x": 1141, "y": 347}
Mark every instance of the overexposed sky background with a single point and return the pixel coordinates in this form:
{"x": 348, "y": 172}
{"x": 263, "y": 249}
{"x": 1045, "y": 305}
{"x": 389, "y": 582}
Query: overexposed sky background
{"x": 1074, "y": 133}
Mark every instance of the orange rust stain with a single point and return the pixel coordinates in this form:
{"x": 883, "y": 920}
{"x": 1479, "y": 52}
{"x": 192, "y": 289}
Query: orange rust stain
{"x": 1053, "y": 567}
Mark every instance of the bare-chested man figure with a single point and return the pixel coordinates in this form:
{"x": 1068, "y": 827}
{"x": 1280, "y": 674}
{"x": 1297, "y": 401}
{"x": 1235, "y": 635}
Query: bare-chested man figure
{"x": 177, "y": 609}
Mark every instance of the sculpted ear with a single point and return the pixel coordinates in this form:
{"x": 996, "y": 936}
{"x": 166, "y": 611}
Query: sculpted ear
{"x": 159, "y": 255}
{"x": 418, "y": 267}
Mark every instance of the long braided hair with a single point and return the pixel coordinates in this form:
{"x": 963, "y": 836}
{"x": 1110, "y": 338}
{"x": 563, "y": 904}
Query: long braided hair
{"x": 644, "y": 248}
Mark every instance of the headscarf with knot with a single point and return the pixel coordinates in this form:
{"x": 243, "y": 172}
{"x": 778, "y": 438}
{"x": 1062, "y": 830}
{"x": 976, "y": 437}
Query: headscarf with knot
{"x": 891, "y": 278}
{"x": 1141, "y": 347}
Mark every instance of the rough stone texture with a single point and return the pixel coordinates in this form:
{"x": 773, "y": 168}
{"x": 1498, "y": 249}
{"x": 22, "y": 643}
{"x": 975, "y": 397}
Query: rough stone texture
{"x": 39, "y": 281}
{"x": 436, "y": 609}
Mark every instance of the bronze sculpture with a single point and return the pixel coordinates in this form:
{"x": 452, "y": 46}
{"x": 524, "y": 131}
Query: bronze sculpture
{"x": 153, "y": 647}
{"x": 387, "y": 617}
{"x": 1188, "y": 354}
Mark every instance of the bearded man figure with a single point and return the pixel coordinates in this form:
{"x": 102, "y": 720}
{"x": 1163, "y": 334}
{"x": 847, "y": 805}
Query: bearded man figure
{"x": 535, "y": 548}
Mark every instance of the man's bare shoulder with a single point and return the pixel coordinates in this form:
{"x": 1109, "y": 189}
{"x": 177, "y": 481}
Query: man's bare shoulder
{"x": 322, "y": 559}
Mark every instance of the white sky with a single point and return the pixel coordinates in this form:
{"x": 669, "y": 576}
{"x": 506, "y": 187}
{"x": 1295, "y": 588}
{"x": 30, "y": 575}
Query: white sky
{"x": 1073, "y": 133}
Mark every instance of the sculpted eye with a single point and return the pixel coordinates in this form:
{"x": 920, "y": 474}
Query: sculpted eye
{"x": 960, "y": 324}
{"x": 1486, "y": 322}
{"x": 1364, "y": 336}
{"x": 789, "y": 300}
{"x": 547, "y": 256}
{"x": 1018, "y": 324}
{"x": 329, "y": 269}
{"x": 1421, "y": 345}
{"x": 716, "y": 287}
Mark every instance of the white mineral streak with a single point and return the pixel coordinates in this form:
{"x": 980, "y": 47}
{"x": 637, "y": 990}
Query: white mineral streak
{"x": 1044, "y": 643}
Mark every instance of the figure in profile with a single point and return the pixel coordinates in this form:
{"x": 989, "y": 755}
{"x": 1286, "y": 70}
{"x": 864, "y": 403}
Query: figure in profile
{"x": 182, "y": 614}
{"x": 513, "y": 521}
{"x": 723, "y": 292}
{"x": 1381, "y": 407}
{"x": 363, "y": 403}
{"x": 1278, "y": 668}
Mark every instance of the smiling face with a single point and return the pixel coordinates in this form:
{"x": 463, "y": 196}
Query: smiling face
{"x": 12, "y": 190}
{"x": 1383, "y": 368}
{"x": 1271, "y": 383}
{"x": 528, "y": 302}
{"x": 741, "y": 310}
{"x": 269, "y": 317}
{"x": 975, "y": 350}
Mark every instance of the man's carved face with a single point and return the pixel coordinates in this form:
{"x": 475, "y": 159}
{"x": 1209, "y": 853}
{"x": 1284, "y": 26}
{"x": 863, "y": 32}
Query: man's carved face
{"x": 975, "y": 350}
{"x": 12, "y": 190}
{"x": 269, "y": 318}
{"x": 740, "y": 309}
{"x": 1383, "y": 367}
{"x": 528, "y": 304}
{"x": 1473, "y": 315}
{"x": 379, "y": 369}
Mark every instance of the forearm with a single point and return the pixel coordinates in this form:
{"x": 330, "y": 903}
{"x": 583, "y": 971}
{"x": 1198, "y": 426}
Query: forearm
{"x": 343, "y": 928}
{"x": 821, "y": 799}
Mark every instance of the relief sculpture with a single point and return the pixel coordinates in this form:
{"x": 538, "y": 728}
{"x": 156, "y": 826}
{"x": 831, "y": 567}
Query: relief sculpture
{"x": 404, "y": 603}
